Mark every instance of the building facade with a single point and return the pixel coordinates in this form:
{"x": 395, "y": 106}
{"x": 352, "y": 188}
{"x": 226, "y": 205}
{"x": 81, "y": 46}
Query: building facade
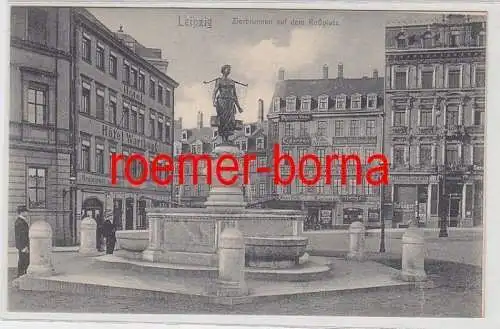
{"x": 39, "y": 126}
{"x": 435, "y": 111}
{"x": 124, "y": 105}
{"x": 328, "y": 116}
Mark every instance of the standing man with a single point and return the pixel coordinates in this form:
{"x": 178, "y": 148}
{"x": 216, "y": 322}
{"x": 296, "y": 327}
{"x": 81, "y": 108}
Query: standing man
{"x": 109, "y": 232}
{"x": 22, "y": 240}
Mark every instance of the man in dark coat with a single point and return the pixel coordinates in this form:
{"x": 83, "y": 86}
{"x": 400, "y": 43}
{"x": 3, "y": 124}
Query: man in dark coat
{"x": 22, "y": 240}
{"x": 109, "y": 230}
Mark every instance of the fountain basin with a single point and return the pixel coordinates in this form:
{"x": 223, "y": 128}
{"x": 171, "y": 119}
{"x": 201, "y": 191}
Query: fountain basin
{"x": 274, "y": 252}
{"x": 132, "y": 243}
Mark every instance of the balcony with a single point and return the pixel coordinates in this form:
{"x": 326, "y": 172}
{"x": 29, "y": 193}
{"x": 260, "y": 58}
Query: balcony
{"x": 399, "y": 130}
{"x": 474, "y": 129}
{"x": 432, "y": 130}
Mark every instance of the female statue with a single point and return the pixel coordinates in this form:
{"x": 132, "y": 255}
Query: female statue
{"x": 226, "y": 103}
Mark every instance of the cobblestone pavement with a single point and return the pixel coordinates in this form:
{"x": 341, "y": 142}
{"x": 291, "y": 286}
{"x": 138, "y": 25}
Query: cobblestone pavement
{"x": 457, "y": 294}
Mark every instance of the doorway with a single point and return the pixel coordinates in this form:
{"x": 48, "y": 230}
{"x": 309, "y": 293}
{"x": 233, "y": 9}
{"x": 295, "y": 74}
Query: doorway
{"x": 352, "y": 215}
{"x": 129, "y": 214}
{"x": 454, "y": 210}
{"x": 117, "y": 213}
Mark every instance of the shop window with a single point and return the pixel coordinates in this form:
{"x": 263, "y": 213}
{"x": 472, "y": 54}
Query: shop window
{"x": 37, "y": 187}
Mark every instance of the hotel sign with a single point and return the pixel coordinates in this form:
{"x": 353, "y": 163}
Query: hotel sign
{"x": 353, "y": 198}
{"x": 133, "y": 93}
{"x": 92, "y": 179}
{"x": 308, "y": 197}
{"x": 355, "y": 140}
{"x": 129, "y": 138}
{"x": 295, "y": 117}
{"x": 400, "y": 179}
{"x": 292, "y": 140}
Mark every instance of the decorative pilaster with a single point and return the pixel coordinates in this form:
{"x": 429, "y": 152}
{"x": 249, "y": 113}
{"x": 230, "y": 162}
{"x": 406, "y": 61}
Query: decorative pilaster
{"x": 153, "y": 252}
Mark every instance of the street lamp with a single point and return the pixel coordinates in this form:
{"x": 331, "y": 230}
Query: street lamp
{"x": 381, "y": 191}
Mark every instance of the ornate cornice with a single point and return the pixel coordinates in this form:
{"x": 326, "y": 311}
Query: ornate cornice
{"x": 456, "y": 54}
{"x": 39, "y": 48}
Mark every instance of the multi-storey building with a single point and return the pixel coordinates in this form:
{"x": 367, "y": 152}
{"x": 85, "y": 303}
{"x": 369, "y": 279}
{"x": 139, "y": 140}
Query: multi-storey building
{"x": 124, "y": 105}
{"x": 435, "y": 105}
{"x": 328, "y": 116}
{"x": 202, "y": 140}
{"x": 39, "y": 126}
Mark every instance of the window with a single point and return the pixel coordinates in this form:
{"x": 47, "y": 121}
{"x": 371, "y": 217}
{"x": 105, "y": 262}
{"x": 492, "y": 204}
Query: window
{"x": 323, "y": 103}
{"x": 37, "y": 187}
{"x": 425, "y": 118}
{"x": 167, "y": 129}
{"x": 126, "y": 73}
{"x": 262, "y": 189}
{"x": 142, "y": 81}
{"x": 427, "y": 40}
{"x": 261, "y": 162}
{"x": 452, "y": 155}
{"x": 196, "y": 148}
{"x": 152, "y": 89}
{"x": 168, "y": 97}
{"x": 112, "y": 150}
{"x": 356, "y": 102}
{"x": 399, "y": 118}
{"x": 85, "y": 161}
{"x": 305, "y": 103}
{"x": 85, "y": 97}
{"x": 277, "y": 104}
{"x": 99, "y": 159}
{"x": 275, "y": 129}
{"x": 135, "y": 79}
{"x": 152, "y": 123}
{"x": 289, "y": 131}
{"x": 248, "y": 130}
{"x": 302, "y": 128}
{"x": 454, "y": 78}
{"x": 100, "y": 57}
{"x": 125, "y": 115}
{"x": 480, "y": 77}
{"x": 160, "y": 94}
{"x": 339, "y": 128}
{"x": 260, "y": 143}
{"x": 478, "y": 117}
{"x": 481, "y": 39}
{"x": 451, "y": 116}
{"x": 400, "y": 80}
{"x": 454, "y": 40}
{"x": 112, "y": 109}
{"x": 398, "y": 155}
{"x": 340, "y": 103}
{"x": 37, "y": 25}
{"x": 160, "y": 127}
{"x": 478, "y": 155}
{"x": 140, "y": 122}
{"x": 133, "y": 119}
{"x": 425, "y": 155}
{"x": 99, "y": 103}
{"x": 322, "y": 126}
{"x": 86, "y": 49}
{"x": 401, "y": 42}
{"x": 372, "y": 101}
{"x": 370, "y": 128}
{"x": 112, "y": 65}
{"x": 243, "y": 145}
{"x": 354, "y": 128}
{"x": 37, "y": 104}
{"x": 291, "y": 104}
{"x": 427, "y": 78}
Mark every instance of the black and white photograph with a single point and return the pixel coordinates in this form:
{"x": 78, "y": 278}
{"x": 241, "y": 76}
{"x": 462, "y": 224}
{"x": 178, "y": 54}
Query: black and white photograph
{"x": 268, "y": 162}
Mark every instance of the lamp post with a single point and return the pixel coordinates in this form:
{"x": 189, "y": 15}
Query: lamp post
{"x": 381, "y": 191}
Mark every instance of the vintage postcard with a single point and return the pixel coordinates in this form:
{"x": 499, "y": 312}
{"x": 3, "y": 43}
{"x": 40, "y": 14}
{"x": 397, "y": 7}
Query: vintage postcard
{"x": 240, "y": 161}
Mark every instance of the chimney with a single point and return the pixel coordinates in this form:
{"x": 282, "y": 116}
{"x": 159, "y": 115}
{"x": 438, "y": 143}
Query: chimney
{"x": 375, "y": 74}
{"x": 325, "y": 71}
{"x": 281, "y": 74}
{"x": 200, "y": 119}
{"x": 340, "y": 71}
{"x": 261, "y": 110}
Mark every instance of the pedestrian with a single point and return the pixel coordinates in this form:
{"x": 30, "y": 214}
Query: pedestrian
{"x": 109, "y": 232}
{"x": 22, "y": 240}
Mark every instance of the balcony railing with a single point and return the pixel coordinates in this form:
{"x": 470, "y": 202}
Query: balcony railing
{"x": 399, "y": 130}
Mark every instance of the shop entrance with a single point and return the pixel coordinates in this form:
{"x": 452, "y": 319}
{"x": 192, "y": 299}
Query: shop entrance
{"x": 92, "y": 207}
{"x": 352, "y": 215}
{"x": 117, "y": 213}
{"x": 454, "y": 207}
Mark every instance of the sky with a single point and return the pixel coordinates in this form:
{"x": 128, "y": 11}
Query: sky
{"x": 255, "y": 51}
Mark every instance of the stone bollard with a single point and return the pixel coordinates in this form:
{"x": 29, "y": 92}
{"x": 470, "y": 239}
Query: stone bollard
{"x": 88, "y": 228}
{"x": 231, "y": 282}
{"x": 413, "y": 255}
{"x": 356, "y": 241}
{"x": 40, "y": 235}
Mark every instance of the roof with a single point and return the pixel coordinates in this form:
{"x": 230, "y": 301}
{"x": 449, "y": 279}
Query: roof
{"x": 330, "y": 87}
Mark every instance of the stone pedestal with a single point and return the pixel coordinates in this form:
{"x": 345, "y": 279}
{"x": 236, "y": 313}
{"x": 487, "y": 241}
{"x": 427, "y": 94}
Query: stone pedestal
{"x": 220, "y": 195}
{"x": 231, "y": 281}
{"x": 413, "y": 255}
{"x": 88, "y": 229}
{"x": 40, "y": 235}
{"x": 356, "y": 241}
{"x": 153, "y": 252}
